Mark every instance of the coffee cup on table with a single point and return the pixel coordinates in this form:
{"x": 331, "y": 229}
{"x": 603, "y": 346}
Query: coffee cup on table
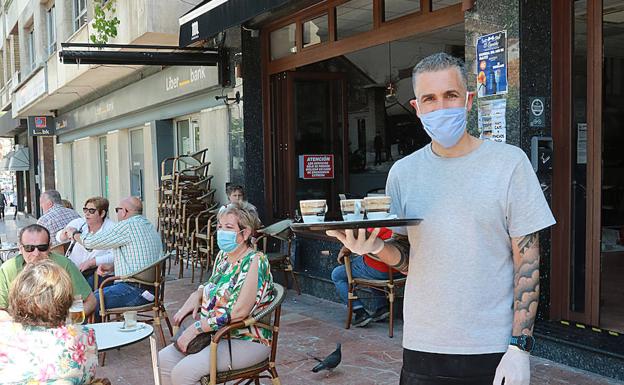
{"x": 130, "y": 319}
{"x": 313, "y": 211}
{"x": 351, "y": 210}
{"x": 377, "y": 207}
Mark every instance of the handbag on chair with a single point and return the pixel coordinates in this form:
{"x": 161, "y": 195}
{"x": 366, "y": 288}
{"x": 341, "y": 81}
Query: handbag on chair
{"x": 196, "y": 345}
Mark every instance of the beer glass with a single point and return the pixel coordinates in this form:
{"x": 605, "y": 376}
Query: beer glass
{"x": 76, "y": 311}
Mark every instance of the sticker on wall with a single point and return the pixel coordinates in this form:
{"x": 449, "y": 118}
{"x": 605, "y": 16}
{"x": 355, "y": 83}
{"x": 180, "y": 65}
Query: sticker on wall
{"x": 492, "y": 122}
{"x": 492, "y": 64}
{"x": 319, "y": 166}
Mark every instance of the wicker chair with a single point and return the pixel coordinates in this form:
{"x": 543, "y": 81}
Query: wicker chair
{"x": 387, "y": 287}
{"x": 269, "y": 318}
{"x": 279, "y": 260}
{"x": 152, "y": 275}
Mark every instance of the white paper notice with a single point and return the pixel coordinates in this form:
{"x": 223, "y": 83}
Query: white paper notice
{"x": 492, "y": 123}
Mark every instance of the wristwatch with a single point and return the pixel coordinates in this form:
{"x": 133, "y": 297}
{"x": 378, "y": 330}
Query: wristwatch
{"x": 198, "y": 326}
{"x": 524, "y": 342}
{"x": 76, "y": 232}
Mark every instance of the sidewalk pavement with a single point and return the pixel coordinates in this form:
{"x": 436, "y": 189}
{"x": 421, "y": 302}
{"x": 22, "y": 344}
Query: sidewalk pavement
{"x": 10, "y": 227}
{"x": 310, "y": 327}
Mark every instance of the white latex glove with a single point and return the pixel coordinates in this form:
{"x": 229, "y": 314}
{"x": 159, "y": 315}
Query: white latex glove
{"x": 514, "y": 367}
{"x": 360, "y": 245}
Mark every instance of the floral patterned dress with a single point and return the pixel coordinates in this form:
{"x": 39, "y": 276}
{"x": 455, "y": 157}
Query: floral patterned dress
{"x": 38, "y": 355}
{"x": 224, "y": 286}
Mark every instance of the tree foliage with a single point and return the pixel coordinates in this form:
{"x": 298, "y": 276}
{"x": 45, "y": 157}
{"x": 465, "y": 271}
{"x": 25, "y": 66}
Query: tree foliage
{"x": 104, "y": 22}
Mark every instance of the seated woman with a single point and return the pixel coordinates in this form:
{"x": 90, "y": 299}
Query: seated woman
{"x": 241, "y": 283}
{"x": 95, "y": 220}
{"x": 35, "y": 345}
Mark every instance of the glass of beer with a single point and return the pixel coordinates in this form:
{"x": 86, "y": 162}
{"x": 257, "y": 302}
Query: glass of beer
{"x": 76, "y": 311}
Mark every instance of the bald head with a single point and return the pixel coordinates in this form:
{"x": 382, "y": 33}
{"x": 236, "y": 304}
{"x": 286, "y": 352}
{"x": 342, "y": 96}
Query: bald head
{"x": 129, "y": 207}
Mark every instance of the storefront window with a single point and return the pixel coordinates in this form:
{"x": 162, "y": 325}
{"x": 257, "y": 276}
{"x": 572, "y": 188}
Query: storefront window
{"x": 103, "y": 166}
{"x": 439, "y": 4}
{"x": 283, "y": 42}
{"x": 353, "y": 17}
{"x": 136, "y": 163}
{"x": 184, "y": 138}
{"x": 396, "y": 8}
{"x": 237, "y": 144}
{"x": 315, "y": 31}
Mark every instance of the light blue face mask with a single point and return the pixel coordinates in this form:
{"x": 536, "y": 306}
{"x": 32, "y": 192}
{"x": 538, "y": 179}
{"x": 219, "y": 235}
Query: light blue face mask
{"x": 227, "y": 240}
{"x": 446, "y": 126}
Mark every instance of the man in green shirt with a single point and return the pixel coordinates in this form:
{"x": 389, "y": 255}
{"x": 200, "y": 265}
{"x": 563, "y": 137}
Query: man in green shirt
{"x": 34, "y": 245}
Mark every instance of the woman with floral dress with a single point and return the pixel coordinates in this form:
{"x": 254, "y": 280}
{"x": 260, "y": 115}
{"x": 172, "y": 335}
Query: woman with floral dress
{"x": 36, "y": 346}
{"x": 240, "y": 284}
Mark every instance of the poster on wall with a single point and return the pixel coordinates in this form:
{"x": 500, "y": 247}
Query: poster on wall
{"x": 492, "y": 122}
{"x": 581, "y": 143}
{"x": 492, "y": 64}
{"x": 319, "y": 166}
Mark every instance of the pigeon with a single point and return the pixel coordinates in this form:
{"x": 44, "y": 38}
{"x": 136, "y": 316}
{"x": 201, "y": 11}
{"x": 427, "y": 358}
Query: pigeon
{"x": 330, "y": 362}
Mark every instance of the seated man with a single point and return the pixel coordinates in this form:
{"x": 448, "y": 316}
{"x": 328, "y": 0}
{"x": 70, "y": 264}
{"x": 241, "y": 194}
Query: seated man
{"x": 95, "y": 221}
{"x": 56, "y": 216}
{"x": 363, "y": 267}
{"x": 34, "y": 245}
{"x": 135, "y": 244}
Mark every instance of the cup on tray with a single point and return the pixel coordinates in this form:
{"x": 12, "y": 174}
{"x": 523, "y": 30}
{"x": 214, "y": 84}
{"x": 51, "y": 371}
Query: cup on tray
{"x": 351, "y": 210}
{"x": 377, "y": 207}
{"x": 313, "y": 210}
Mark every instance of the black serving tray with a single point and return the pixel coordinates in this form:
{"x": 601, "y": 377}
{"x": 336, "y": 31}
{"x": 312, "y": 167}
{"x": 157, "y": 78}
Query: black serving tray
{"x": 363, "y": 224}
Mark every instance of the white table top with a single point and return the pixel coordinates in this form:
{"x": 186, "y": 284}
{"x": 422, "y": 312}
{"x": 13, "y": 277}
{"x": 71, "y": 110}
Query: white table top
{"x": 109, "y": 336}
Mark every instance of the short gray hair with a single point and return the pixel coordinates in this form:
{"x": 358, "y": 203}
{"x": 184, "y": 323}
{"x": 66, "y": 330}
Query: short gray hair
{"x": 54, "y": 196}
{"x": 438, "y": 62}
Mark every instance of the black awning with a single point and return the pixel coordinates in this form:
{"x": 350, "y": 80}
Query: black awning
{"x": 213, "y": 16}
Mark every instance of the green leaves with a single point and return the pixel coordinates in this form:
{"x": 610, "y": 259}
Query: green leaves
{"x": 104, "y": 21}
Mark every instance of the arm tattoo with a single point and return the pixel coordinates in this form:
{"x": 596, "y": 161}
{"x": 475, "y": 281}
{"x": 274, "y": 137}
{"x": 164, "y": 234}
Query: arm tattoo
{"x": 526, "y": 283}
{"x": 401, "y": 242}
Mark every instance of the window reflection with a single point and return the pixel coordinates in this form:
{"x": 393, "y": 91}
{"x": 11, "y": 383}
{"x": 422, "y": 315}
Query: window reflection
{"x": 394, "y": 9}
{"x": 353, "y": 17}
{"x": 439, "y": 4}
{"x": 315, "y": 31}
{"x": 283, "y": 42}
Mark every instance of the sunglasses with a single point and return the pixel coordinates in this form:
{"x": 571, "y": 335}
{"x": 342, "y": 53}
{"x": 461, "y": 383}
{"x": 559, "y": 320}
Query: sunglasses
{"x": 88, "y": 210}
{"x": 31, "y": 248}
{"x": 117, "y": 209}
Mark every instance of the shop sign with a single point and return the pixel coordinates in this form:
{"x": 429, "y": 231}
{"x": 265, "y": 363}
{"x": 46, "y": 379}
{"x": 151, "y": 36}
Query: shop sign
{"x": 492, "y": 64}
{"x": 33, "y": 89}
{"x": 41, "y": 126}
{"x": 316, "y": 166}
{"x": 537, "y": 118}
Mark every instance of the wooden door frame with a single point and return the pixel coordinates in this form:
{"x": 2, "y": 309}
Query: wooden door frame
{"x": 562, "y": 58}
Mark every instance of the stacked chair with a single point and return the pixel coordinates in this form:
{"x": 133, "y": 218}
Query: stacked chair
{"x": 185, "y": 210}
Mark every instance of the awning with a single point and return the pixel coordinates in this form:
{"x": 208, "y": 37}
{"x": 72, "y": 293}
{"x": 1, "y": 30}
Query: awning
{"x": 213, "y": 16}
{"x": 20, "y": 161}
{"x": 4, "y": 163}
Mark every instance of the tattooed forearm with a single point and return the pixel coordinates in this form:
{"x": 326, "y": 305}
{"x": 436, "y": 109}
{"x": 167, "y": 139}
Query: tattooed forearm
{"x": 401, "y": 242}
{"x": 526, "y": 282}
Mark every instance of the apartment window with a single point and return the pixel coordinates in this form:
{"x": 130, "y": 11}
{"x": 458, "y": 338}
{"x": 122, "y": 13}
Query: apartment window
{"x": 80, "y": 13}
{"x": 51, "y": 22}
{"x": 103, "y": 166}
{"x": 31, "y": 49}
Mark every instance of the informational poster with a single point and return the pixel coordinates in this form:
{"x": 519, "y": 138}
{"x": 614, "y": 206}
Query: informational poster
{"x": 492, "y": 122}
{"x": 316, "y": 166}
{"x": 581, "y": 143}
{"x": 492, "y": 64}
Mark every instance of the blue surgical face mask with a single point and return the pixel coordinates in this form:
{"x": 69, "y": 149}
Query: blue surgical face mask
{"x": 446, "y": 126}
{"x": 227, "y": 240}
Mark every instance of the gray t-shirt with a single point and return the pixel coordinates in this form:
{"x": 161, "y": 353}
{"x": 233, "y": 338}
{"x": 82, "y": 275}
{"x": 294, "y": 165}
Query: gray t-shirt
{"x": 459, "y": 291}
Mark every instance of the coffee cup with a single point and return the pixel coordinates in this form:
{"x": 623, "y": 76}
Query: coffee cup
{"x": 377, "y": 207}
{"x": 313, "y": 210}
{"x": 130, "y": 319}
{"x": 351, "y": 209}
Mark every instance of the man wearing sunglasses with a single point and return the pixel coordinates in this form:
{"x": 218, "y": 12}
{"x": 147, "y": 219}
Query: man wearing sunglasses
{"x": 34, "y": 246}
{"x": 135, "y": 244}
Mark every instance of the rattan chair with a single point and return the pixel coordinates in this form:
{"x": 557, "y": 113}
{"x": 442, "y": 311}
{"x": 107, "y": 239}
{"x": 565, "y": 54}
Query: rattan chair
{"x": 153, "y": 312}
{"x": 387, "y": 287}
{"x": 268, "y": 318}
{"x": 280, "y": 259}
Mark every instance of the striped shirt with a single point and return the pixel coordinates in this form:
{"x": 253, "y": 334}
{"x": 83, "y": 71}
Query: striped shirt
{"x": 56, "y": 219}
{"x": 135, "y": 243}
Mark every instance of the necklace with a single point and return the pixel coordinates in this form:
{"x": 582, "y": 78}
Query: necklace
{"x": 233, "y": 259}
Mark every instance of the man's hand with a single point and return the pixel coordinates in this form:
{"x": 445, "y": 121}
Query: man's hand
{"x": 514, "y": 368}
{"x": 344, "y": 252}
{"x": 360, "y": 245}
{"x": 105, "y": 269}
{"x": 88, "y": 264}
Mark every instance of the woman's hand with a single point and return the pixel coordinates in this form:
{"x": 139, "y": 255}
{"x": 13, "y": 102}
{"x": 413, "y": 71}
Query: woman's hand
{"x": 192, "y": 304}
{"x": 187, "y": 336}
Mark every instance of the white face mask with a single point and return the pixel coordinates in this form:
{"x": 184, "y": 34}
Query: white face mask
{"x": 446, "y": 126}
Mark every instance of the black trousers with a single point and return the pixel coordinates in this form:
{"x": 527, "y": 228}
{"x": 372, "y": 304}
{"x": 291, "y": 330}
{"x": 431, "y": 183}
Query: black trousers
{"x": 421, "y": 368}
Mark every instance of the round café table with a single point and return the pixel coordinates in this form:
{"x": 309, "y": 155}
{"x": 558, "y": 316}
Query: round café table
{"x": 109, "y": 335}
{"x": 8, "y": 250}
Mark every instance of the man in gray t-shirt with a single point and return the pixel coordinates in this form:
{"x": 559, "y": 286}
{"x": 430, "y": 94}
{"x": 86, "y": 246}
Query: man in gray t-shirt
{"x": 472, "y": 264}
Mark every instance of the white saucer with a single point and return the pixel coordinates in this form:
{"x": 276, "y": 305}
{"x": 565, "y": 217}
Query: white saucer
{"x": 133, "y": 329}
